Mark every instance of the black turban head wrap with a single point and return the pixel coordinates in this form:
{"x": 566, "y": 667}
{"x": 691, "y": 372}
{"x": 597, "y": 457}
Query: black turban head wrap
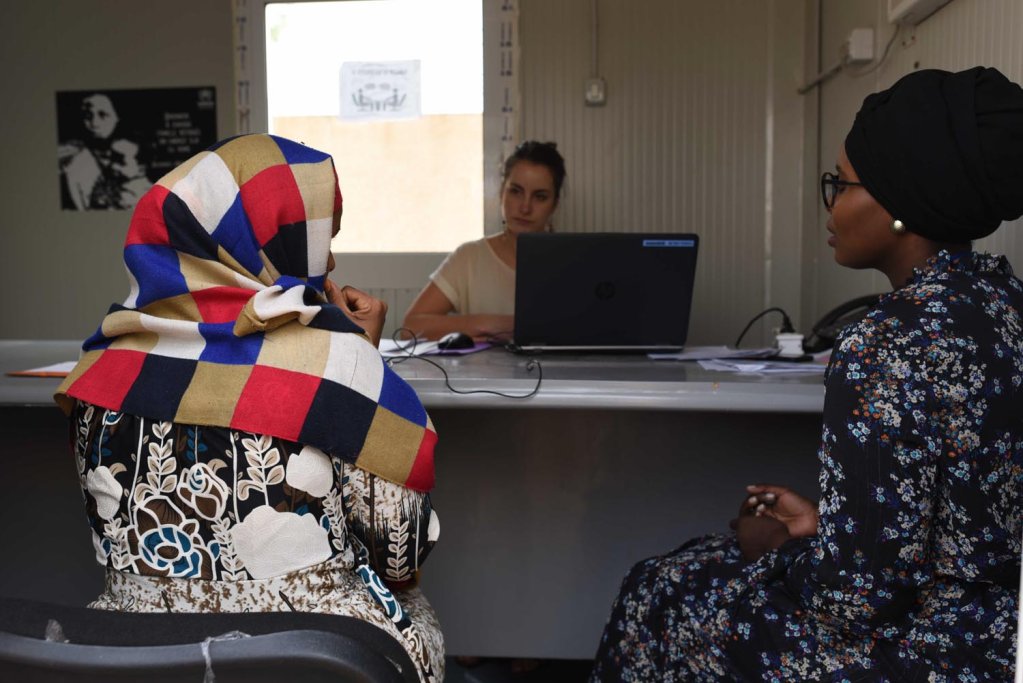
{"x": 943, "y": 152}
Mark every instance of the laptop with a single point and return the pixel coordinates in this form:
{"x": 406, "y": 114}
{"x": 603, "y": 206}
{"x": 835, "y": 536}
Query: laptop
{"x": 603, "y": 291}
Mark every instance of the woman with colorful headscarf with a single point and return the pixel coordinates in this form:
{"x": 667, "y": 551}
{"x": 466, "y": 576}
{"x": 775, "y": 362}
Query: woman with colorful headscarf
{"x": 240, "y": 442}
{"x": 908, "y": 569}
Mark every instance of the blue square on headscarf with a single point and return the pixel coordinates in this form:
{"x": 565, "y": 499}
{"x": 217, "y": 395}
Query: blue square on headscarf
{"x": 398, "y": 397}
{"x": 295, "y": 153}
{"x": 158, "y": 389}
{"x": 234, "y": 233}
{"x": 222, "y": 346}
{"x": 156, "y": 269}
{"x": 338, "y": 420}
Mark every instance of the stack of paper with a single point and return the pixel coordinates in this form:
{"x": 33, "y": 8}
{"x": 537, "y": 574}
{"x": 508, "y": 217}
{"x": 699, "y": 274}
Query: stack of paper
{"x": 767, "y": 367}
{"x": 709, "y": 352}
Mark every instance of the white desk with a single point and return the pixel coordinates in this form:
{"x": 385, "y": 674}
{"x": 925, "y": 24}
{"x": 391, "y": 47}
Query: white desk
{"x": 620, "y": 382}
{"x": 544, "y": 503}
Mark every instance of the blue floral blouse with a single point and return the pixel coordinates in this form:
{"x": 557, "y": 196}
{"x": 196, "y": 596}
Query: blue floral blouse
{"x": 915, "y": 569}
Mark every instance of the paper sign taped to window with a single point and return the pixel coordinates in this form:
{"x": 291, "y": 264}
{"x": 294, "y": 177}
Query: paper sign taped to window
{"x": 378, "y": 91}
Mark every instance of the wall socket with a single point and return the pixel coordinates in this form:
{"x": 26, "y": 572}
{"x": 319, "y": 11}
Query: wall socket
{"x": 596, "y": 92}
{"x": 859, "y": 46}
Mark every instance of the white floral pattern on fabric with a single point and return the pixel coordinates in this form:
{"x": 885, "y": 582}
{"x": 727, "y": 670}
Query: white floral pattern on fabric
{"x": 310, "y": 471}
{"x": 103, "y": 487}
{"x": 271, "y": 543}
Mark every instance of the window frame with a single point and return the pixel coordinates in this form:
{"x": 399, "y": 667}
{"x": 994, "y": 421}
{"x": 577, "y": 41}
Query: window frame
{"x": 400, "y": 270}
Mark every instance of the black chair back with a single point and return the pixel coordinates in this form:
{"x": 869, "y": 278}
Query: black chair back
{"x": 250, "y": 647}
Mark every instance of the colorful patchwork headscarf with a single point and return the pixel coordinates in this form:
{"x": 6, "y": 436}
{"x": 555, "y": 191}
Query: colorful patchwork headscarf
{"x": 227, "y": 323}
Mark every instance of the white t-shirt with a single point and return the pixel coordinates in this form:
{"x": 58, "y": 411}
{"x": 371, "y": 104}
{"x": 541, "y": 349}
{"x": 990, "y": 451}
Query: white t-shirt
{"x": 475, "y": 280}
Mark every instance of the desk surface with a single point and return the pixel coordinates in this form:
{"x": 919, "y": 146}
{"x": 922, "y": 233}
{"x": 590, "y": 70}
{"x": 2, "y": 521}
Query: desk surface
{"x": 569, "y": 381}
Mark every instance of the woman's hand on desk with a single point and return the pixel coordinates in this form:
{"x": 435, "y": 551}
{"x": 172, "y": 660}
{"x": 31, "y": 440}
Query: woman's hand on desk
{"x": 366, "y": 311}
{"x": 798, "y": 514}
{"x": 489, "y": 327}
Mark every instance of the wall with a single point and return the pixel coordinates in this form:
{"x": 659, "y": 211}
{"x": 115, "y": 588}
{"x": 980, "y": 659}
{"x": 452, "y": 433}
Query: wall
{"x": 960, "y": 35}
{"x": 62, "y": 269}
{"x": 702, "y": 132}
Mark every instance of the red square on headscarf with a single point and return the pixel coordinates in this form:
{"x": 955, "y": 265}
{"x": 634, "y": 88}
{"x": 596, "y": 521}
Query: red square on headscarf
{"x": 271, "y": 199}
{"x": 421, "y": 478}
{"x": 221, "y": 304}
{"x": 109, "y": 379}
{"x": 337, "y": 193}
{"x": 275, "y": 402}
{"x": 147, "y": 224}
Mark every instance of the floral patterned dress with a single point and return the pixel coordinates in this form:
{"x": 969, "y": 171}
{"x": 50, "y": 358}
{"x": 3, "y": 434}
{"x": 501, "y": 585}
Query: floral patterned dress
{"x": 209, "y": 519}
{"x": 915, "y": 569}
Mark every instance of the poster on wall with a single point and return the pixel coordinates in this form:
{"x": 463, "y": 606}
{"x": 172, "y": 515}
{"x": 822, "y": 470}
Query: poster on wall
{"x": 378, "y": 91}
{"x": 112, "y": 145}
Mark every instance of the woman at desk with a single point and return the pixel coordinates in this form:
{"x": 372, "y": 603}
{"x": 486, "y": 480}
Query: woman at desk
{"x": 473, "y": 290}
{"x": 240, "y": 442}
{"x": 909, "y": 566}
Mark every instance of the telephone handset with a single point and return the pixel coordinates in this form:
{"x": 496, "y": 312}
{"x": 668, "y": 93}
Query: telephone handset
{"x": 826, "y": 330}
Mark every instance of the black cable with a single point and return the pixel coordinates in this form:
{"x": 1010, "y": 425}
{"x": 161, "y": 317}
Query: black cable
{"x": 786, "y": 323}
{"x": 410, "y": 350}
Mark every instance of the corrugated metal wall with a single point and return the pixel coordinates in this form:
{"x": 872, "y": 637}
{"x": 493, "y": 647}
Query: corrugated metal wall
{"x": 962, "y": 34}
{"x": 681, "y": 144}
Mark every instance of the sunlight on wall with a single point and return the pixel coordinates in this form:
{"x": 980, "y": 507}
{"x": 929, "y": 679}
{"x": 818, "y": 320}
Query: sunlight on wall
{"x": 409, "y": 184}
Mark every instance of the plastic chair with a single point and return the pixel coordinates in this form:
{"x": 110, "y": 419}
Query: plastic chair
{"x": 166, "y": 648}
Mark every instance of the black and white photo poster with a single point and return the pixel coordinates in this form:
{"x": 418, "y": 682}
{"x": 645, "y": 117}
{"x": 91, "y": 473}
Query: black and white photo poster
{"x": 112, "y": 145}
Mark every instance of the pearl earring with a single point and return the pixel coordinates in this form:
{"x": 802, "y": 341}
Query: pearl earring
{"x": 898, "y": 227}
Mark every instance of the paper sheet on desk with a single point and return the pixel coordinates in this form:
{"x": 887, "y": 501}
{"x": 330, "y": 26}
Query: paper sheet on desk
{"x": 711, "y": 352}
{"x": 765, "y": 367}
{"x": 406, "y": 347}
{"x": 55, "y": 370}
{"x": 399, "y": 349}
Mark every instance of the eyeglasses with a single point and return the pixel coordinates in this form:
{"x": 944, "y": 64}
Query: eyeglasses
{"x": 831, "y": 187}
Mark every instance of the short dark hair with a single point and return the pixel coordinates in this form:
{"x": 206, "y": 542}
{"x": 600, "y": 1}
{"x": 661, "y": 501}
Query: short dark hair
{"x": 543, "y": 153}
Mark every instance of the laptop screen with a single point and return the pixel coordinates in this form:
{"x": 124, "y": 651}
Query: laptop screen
{"x": 604, "y": 290}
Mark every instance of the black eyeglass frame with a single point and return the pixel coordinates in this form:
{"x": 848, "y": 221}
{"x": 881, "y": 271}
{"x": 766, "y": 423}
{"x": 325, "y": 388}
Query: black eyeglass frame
{"x": 830, "y": 180}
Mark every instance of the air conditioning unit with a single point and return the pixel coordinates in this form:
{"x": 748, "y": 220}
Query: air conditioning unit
{"x": 912, "y": 12}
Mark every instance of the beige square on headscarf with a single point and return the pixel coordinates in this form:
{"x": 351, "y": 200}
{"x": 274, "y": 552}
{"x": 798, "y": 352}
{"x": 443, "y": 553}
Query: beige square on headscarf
{"x": 316, "y": 184}
{"x": 297, "y": 348}
{"x": 212, "y": 394}
{"x": 143, "y": 342}
{"x": 388, "y": 443}
{"x": 248, "y": 155}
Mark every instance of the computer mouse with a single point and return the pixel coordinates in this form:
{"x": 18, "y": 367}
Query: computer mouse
{"x": 455, "y": 340}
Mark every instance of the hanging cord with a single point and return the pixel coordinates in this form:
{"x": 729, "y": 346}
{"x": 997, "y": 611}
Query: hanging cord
{"x": 786, "y": 323}
{"x": 410, "y": 349}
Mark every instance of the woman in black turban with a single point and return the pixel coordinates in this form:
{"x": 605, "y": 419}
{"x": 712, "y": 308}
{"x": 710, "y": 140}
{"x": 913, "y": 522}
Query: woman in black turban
{"x": 909, "y": 566}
